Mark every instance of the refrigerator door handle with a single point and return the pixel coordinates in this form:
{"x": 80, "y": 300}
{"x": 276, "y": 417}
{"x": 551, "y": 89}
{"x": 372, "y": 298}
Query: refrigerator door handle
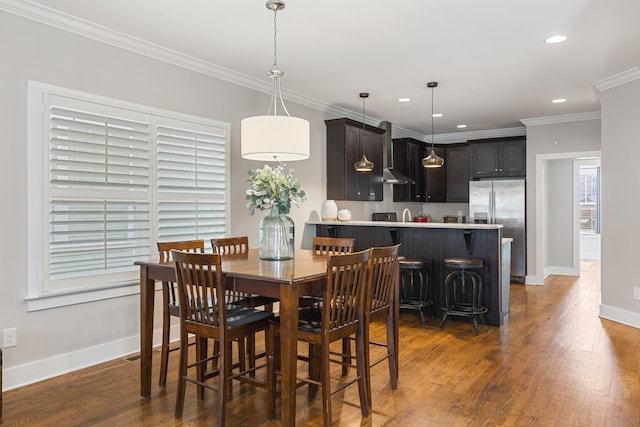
{"x": 492, "y": 207}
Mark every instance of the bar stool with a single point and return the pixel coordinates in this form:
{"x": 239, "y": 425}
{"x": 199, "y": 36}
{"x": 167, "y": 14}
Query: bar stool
{"x": 414, "y": 281}
{"x": 463, "y": 290}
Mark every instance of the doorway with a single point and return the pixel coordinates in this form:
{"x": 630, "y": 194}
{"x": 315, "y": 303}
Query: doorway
{"x": 588, "y": 172}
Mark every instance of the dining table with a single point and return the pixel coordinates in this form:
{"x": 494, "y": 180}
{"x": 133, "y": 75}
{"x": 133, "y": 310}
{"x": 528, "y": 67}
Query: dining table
{"x": 286, "y": 280}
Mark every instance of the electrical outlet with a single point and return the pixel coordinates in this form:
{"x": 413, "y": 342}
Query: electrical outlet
{"x": 10, "y": 337}
{"x": 636, "y": 293}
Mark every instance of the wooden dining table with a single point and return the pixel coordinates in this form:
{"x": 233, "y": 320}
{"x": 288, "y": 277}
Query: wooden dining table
{"x": 285, "y": 280}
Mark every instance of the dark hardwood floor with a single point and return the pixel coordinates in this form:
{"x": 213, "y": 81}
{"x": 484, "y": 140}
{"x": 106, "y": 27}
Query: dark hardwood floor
{"x": 555, "y": 363}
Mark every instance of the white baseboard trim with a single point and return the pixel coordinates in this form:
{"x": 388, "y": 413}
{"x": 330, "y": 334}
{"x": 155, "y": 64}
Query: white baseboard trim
{"x": 39, "y": 370}
{"x": 561, "y": 271}
{"x": 619, "y": 315}
{"x": 533, "y": 280}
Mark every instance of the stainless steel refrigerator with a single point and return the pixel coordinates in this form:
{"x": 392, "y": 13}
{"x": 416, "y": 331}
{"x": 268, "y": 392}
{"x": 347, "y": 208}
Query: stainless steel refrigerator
{"x": 503, "y": 202}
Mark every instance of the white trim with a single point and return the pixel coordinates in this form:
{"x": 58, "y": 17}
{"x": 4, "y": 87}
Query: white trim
{"x": 45, "y": 302}
{"x": 84, "y": 28}
{"x": 625, "y": 317}
{"x": 561, "y": 271}
{"x": 541, "y": 270}
{"x": 533, "y": 280}
{"x": 39, "y": 370}
{"x": 566, "y": 118}
{"x": 618, "y": 79}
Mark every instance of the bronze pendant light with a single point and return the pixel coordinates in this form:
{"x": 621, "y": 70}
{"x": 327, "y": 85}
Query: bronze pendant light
{"x": 432, "y": 160}
{"x": 363, "y": 165}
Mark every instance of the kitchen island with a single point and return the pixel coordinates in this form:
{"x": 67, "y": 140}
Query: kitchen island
{"x": 434, "y": 242}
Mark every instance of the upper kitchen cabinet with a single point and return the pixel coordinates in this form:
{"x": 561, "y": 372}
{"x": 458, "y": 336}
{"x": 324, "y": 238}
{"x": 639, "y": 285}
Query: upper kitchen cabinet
{"x": 458, "y": 171}
{"x": 435, "y": 178}
{"x": 499, "y": 157}
{"x": 407, "y": 154}
{"x": 347, "y": 141}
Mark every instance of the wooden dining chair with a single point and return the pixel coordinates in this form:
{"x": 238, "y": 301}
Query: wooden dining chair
{"x": 337, "y": 318}
{"x": 170, "y": 300}
{"x": 383, "y": 281}
{"x": 332, "y": 245}
{"x": 205, "y": 313}
{"x": 238, "y": 247}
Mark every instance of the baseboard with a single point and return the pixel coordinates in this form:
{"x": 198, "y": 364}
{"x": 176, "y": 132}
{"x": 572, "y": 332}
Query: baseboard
{"x": 39, "y": 370}
{"x": 533, "y": 280}
{"x": 561, "y": 271}
{"x": 619, "y": 315}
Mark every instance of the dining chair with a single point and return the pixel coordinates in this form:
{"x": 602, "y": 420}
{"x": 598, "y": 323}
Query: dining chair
{"x": 332, "y": 245}
{"x": 170, "y": 300}
{"x": 205, "y": 313}
{"x": 238, "y": 247}
{"x": 383, "y": 281}
{"x": 337, "y": 318}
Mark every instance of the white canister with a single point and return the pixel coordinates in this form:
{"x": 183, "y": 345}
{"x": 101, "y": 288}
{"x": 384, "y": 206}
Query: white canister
{"x": 344, "y": 215}
{"x": 329, "y": 211}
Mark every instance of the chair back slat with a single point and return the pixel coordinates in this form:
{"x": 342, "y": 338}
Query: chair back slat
{"x": 384, "y": 275}
{"x": 332, "y": 245}
{"x": 199, "y": 276}
{"x": 228, "y": 247}
{"x": 165, "y": 248}
{"x": 344, "y": 296}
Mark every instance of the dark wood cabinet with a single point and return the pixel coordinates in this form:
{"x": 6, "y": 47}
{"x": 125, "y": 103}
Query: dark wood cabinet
{"x": 499, "y": 157}
{"x": 407, "y": 156}
{"x": 347, "y": 141}
{"x": 436, "y": 179}
{"x": 458, "y": 171}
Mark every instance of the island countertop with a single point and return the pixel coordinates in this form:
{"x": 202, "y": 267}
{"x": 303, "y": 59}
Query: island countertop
{"x": 452, "y": 225}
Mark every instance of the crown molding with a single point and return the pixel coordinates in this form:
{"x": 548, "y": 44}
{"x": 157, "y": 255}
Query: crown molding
{"x": 51, "y": 17}
{"x": 54, "y": 18}
{"x": 618, "y": 79}
{"x": 567, "y": 118}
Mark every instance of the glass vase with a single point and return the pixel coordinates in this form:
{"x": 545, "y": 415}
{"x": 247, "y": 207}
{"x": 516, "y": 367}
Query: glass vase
{"x": 276, "y": 236}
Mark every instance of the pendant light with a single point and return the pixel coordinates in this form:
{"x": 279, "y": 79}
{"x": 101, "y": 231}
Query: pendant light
{"x": 275, "y": 137}
{"x": 432, "y": 160}
{"x": 363, "y": 165}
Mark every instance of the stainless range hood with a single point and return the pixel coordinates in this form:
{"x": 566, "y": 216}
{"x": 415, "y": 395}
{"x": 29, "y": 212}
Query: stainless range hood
{"x": 390, "y": 175}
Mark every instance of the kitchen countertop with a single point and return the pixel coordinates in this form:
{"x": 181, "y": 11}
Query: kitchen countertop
{"x": 452, "y": 225}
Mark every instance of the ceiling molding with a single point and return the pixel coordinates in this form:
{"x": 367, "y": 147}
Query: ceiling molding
{"x": 84, "y": 28}
{"x": 567, "y": 118}
{"x": 618, "y": 79}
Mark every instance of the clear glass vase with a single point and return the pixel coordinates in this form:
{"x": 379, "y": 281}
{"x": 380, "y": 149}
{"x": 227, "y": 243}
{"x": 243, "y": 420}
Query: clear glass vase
{"x": 276, "y": 236}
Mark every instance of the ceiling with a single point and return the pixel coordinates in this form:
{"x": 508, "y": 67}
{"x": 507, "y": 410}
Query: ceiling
{"x": 489, "y": 56}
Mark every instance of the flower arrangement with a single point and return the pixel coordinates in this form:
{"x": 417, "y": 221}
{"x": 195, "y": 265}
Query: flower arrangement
{"x": 271, "y": 188}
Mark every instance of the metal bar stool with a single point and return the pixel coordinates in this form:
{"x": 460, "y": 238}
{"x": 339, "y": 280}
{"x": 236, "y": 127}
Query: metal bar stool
{"x": 414, "y": 282}
{"x": 463, "y": 290}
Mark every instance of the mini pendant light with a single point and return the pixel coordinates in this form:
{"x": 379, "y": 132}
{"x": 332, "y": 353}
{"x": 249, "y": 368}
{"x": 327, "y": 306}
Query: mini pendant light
{"x": 432, "y": 160}
{"x": 273, "y": 137}
{"x": 363, "y": 165}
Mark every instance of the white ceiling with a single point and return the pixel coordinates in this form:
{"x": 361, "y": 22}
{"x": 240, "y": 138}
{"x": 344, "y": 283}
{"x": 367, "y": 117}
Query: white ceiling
{"x": 488, "y": 56}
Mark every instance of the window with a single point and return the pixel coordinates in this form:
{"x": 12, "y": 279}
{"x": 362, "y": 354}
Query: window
{"x": 108, "y": 178}
{"x": 590, "y": 199}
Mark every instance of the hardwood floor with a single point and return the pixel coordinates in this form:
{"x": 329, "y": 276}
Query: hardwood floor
{"x": 555, "y": 363}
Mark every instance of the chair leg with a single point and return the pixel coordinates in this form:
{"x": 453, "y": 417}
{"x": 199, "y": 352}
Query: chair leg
{"x": 184, "y": 350}
{"x": 346, "y": 358}
{"x": 272, "y": 363}
{"x": 251, "y": 351}
{"x": 164, "y": 352}
{"x": 326, "y": 387}
{"x": 224, "y": 383}
{"x": 315, "y": 363}
{"x": 201, "y": 354}
{"x": 361, "y": 369}
{"x": 393, "y": 357}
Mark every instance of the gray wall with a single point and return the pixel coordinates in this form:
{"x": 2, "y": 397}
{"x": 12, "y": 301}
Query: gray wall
{"x": 620, "y": 202}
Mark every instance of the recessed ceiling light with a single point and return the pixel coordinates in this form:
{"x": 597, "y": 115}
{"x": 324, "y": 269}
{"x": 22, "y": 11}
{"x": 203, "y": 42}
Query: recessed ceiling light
{"x": 555, "y": 39}
{"x": 461, "y": 126}
{"x": 404, "y": 99}
{"x": 559, "y": 100}
{"x": 437, "y": 114}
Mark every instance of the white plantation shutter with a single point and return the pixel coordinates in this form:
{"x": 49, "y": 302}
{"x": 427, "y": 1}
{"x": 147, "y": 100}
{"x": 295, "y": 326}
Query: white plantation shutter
{"x": 191, "y": 167}
{"x": 114, "y": 179}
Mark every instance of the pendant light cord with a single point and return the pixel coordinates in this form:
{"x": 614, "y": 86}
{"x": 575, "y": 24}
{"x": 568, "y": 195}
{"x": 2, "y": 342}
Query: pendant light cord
{"x": 432, "y": 129}
{"x": 275, "y": 38}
